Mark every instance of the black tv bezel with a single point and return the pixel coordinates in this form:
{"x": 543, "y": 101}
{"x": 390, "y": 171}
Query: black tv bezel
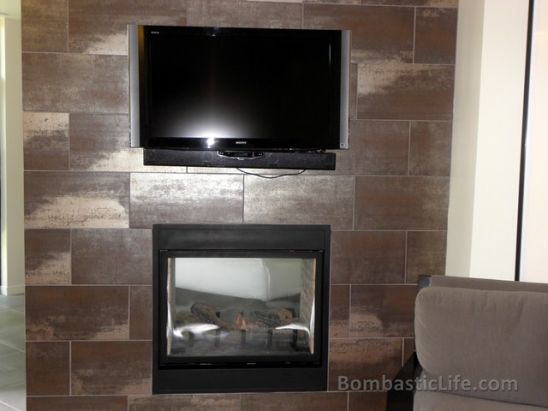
{"x": 337, "y": 134}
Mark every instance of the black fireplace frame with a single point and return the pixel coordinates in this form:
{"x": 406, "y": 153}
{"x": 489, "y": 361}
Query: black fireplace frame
{"x": 284, "y": 374}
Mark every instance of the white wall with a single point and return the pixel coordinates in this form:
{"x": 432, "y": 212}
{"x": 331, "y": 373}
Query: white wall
{"x": 465, "y": 131}
{"x": 534, "y": 252}
{"x": 11, "y": 161}
{"x": 490, "y": 72}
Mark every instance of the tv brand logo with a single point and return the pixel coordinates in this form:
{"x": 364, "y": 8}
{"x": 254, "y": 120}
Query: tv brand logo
{"x": 241, "y": 142}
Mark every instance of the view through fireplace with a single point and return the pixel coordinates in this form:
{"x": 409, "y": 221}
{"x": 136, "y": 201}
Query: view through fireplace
{"x": 240, "y": 308}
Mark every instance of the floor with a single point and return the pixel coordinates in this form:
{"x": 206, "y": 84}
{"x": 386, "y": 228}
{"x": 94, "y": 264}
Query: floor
{"x": 12, "y": 353}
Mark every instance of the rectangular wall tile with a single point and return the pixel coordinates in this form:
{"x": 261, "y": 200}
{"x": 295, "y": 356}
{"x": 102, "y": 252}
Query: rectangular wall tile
{"x": 75, "y": 83}
{"x": 243, "y": 14}
{"x": 363, "y": 358}
{"x": 367, "y": 257}
{"x": 425, "y": 254}
{"x": 192, "y": 198}
{"x": 44, "y": 25}
{"x": 47, "y": 257}
{"x": 48, "y": 368}
{"x": 370, "y": 401}
{"x": 140, "y": 313}
{"x": 112, "y": 256}
{"x": 395, "y": 24}
{"x": 300, "y": 200}
{"x": 414, "y": 203}
{"x": 201, "y": 402}
{"x": 80, "y": 313}
{"x": 430, "y": 148}
{"x": 119, "y": 367}
{"x": 46, "y": 141}
{"x": 405, "y": 91}
{"x": 80, "y": 403}
{"x": 100, "y": 142}
{"x": 436, "y": 36}
{"x": 100, "y": 26}
{"x": 382, "y": 310}
{"x": 376, "y": 147}
{"x": 325, "y": 401}
{"x": 77, "y": 200}
{"x": 339, "y": 311}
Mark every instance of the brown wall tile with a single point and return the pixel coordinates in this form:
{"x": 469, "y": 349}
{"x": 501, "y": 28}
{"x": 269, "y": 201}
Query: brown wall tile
{"x": 70, "y": 312}
{"x": 140, "y": 313}
{"x": 191, "y": 198}
{"x": 48, "y": 368}
{"x": 395, "y": 24}
{"x": 96, "y": 138}
{"x": 44, "y": 25}
{"x": 367, "y": 401}
{"x": 436, "y": 36}
{"x": 382, "y": 310}
{"x": 77, "y": 403}
{"x": 75, "y": 83}
{"x": 243, "y": 14}
{"x": 405, "y": 91}
{"x": 121, "y": 367}
{"x": 430, "y": 148}
{"x": 376, "y": 147}
{"x": 362, "y": 257}
{"x": 300, "y": 200}
{"x": 331, "y": 401}
{"x": 198, "y": 402}
{"x": 425, "y": 254}
{"x": 65, "y": 199}
{"x": 100, "y": 26}
{"x": 47, "y": 257}
{"x": 46, "y": 140}
{"x": 363, "y": 358}
{"x": 339, "y": 311}
{"x": 100, "y": 142}
{"x": 114, "y": 256}
{"x": 415, "y": 203}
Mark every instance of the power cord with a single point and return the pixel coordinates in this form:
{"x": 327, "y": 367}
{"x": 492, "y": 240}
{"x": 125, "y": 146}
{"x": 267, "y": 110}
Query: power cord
{"x": 271, "y": 177}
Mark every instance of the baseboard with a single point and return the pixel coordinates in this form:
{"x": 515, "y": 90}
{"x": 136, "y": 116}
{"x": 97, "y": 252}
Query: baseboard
{"x": 12, "y": 290}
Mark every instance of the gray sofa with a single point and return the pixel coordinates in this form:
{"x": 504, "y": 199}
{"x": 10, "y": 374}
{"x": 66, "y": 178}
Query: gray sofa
{"x": 485, "y": 342}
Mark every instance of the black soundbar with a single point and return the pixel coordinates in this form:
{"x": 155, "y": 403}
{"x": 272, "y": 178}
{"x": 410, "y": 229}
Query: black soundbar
{"x": 287, "y": 160}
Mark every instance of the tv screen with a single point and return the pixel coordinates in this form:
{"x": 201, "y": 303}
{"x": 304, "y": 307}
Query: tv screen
{"x": 207, "y": 88}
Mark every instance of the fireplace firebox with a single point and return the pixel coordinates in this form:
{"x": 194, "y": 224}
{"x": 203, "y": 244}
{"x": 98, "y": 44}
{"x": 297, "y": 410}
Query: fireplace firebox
{"x": 240, "y": 308}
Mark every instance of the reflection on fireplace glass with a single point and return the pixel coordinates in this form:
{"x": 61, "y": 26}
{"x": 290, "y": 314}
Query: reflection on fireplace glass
{"x": 229, "y": 306}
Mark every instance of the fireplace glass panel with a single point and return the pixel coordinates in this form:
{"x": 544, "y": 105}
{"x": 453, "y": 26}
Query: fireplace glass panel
{"x": 240, "y": 306}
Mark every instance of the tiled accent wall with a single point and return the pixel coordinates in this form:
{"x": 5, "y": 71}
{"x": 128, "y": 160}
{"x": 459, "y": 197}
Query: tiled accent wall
{"x": 90, "y": 203}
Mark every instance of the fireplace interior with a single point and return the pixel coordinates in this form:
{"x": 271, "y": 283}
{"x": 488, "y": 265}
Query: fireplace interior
{"x": 240, "y": 308}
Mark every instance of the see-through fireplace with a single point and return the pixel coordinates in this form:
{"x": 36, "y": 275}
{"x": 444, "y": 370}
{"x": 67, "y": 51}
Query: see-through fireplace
{"x": 240, "y": 308}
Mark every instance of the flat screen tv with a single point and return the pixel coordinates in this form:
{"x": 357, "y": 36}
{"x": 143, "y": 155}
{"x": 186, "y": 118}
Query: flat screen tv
{"x": 239, "y": 89}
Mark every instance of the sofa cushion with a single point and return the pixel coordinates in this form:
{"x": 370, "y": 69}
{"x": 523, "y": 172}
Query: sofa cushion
{"x": 485, "y": 335}
{"x": 436, "y": 401}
